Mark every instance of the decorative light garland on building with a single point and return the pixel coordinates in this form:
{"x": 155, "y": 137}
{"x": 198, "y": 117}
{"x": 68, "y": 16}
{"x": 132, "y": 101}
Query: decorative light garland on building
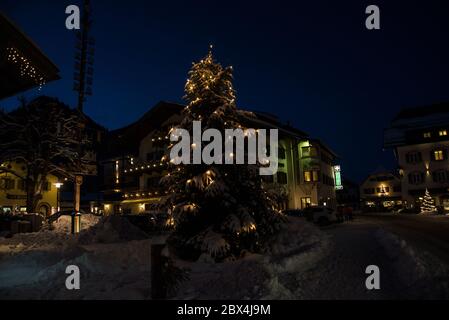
{"x": 144, "y": 194}
{"x": 26, "y": 69}
{"x": 147, "y": 165}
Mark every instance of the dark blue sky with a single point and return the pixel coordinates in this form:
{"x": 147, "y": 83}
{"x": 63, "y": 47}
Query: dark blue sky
{"x": 313, "y": 64}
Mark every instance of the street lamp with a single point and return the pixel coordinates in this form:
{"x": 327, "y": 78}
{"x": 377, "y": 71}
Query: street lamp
{"x": 58, "y": 186}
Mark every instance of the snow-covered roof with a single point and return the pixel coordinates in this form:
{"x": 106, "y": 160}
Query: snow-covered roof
{"x": 412, "y": 120}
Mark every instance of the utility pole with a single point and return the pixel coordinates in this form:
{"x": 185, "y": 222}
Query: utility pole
{"x": 84, "y": 58}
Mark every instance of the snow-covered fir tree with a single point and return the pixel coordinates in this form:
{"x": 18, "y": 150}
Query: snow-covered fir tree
{"x": 428, "y": 204}
{"x": 217, "y": 209}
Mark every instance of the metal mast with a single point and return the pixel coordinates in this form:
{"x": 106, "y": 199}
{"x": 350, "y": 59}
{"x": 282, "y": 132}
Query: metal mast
{"x": 84, "y": 58}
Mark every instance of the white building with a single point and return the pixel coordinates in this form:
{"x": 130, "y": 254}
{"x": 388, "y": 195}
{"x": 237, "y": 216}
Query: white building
{"x": 420, "y": 141}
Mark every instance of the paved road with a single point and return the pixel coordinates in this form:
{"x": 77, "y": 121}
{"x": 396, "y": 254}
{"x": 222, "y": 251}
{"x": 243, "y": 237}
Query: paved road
{"x": 368, "y": 241}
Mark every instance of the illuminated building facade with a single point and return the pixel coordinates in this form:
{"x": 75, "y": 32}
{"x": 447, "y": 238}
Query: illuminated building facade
{"x": 132, "y": 166}
{"x": 420, "y": 141}
{"x": 13, "y": 194}
{"x": 381, "y": 191}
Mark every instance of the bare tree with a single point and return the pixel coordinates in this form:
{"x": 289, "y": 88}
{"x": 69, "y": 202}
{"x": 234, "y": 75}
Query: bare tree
{"x": 44, "y": 137}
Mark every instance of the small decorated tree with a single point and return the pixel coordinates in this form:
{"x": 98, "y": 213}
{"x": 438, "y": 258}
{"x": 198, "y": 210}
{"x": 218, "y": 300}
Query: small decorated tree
{"x": 428, "y": 205}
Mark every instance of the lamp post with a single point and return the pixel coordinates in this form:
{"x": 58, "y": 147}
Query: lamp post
{"x": 58, "y": 186}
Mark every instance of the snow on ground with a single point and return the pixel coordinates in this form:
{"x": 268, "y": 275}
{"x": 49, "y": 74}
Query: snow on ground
{"x": 297, "y": 248}
{"x": 113, "y": 257}
{"x": 422, "y": 274}
{"x": 302, "y": 262}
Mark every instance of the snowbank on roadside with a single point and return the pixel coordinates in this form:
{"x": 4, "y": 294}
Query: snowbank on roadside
{"x": 424, "y": 274}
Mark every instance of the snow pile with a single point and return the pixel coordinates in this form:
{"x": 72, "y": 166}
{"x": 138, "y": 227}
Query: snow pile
{"x": 112, "y": 229}
{"x": 31, "y": 241}
{"x": 112, "y": 265}
{"x": 296, "y": 249}
{"x": 108, "y": 271}
{"x": 58, "y": 235}
{"x": 241, "y": 279}
{"x": 425, "y": 276}
{"x": 64, "y": 223}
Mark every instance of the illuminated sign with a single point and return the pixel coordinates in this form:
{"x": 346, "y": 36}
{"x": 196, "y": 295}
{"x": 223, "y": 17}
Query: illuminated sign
{"x": 337, "y": 176}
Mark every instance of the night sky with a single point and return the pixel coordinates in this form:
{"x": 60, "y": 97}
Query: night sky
{"x": 315, "y": 65}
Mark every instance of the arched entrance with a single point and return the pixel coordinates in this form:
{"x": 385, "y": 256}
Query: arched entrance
{"x": 44, "y": 209}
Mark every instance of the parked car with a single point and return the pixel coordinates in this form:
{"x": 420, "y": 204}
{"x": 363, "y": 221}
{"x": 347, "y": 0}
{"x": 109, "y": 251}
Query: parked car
{"x": 320, "y": 215}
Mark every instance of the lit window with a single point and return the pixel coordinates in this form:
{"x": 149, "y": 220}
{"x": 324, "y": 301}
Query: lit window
{"x": 306, "y": 202}
{"x": 307, "y": 176}
{"x": 311, "y": 176}
{"x": 427, "y": 135}
{"x": 438, "y": 155}
{"x": 443, "y": 133}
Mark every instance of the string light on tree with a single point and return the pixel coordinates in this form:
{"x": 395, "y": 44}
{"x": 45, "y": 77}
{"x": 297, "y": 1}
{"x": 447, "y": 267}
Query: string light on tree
{"x": 212, "y": 204}
{"x": 428, "y": 204}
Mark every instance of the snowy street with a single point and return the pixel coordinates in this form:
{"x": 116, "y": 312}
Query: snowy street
{"x": 331, "y": 262}
{"x": 411, "y": 252}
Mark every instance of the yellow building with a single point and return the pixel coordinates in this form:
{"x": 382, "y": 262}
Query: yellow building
{"x": 13, "y": 194}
